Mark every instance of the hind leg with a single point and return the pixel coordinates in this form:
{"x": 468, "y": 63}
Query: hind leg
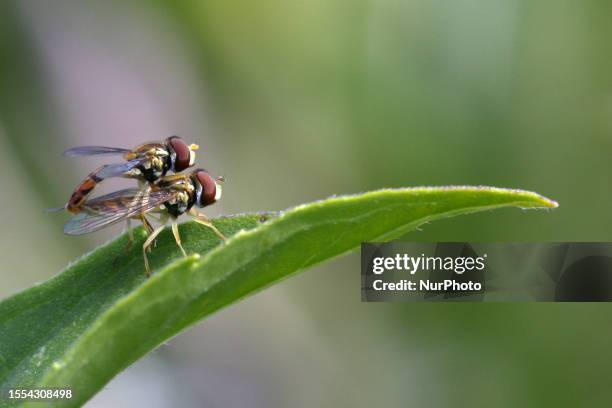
{"x": 129, "y": 244}
{"x": 146, "y": 246}
{"x": 148, "y": 227}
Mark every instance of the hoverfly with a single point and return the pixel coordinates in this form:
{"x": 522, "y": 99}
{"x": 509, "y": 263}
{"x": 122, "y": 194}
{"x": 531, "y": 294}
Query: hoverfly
{"x": 169, "y": 197}
{"x": 147, "y": 163}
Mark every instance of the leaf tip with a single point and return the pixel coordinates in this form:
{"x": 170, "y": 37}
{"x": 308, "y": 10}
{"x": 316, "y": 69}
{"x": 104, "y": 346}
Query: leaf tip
{"x": 525, "y": 199}
{"x": 552, "y": 203}
{"x": 539, "y": 201}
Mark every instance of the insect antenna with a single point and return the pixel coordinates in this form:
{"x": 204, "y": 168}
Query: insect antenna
{"x": 57, "y": 209}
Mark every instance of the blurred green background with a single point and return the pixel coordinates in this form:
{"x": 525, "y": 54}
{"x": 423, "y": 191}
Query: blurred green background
{"x": 293, "y": 101}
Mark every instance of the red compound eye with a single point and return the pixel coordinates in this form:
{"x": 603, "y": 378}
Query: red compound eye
{"x": 182, "y": 159}
{"x": 209, "y": 188}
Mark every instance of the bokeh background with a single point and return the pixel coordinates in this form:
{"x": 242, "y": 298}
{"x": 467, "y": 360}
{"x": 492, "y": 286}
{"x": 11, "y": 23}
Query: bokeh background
{"x": 294, "y": 101}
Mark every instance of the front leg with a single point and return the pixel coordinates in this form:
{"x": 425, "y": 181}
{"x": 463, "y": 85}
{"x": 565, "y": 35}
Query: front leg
{"x": 177, "y": 236}
{"x": 202, "y": 219}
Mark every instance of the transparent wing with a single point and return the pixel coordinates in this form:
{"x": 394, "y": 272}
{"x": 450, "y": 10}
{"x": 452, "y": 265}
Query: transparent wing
{"x": 128, "y": 194}
{"x": 94, "y": 151}
{"x": 84, "y": 223}
{"x": 118, "y": 169}
{"x": 114, "y": 207}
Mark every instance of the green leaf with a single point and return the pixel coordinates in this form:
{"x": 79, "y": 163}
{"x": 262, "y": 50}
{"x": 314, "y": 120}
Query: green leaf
{"x": 82, "y": 327}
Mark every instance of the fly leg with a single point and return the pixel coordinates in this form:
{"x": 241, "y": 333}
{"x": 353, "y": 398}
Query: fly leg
{"x": 148, "y": 227}
{"x": 177, "y": 236}
{"x": 146, "y": 246}
{"x": 130, "y": 232}
{"x": 202, "y": 219}
{"x": 128, "y": 246}
{"x": 145, "y": 222}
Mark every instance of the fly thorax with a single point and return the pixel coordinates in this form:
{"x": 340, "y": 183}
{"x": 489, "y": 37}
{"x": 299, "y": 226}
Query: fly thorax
{"x": 154, "y": 168}
{"x": 178, "y": 205}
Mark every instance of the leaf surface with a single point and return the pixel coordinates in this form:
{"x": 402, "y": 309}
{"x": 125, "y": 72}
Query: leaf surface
{"x": 82, "y": 327}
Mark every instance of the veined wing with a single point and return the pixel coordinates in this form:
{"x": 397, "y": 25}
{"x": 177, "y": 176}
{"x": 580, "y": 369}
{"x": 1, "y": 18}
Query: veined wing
{"x": 114, "y": 207}
{"x": 94, "y": 151}
{"x": 118, "y": 169}
{"x": 84, "y": 223}
{"x": 97, "y": 204}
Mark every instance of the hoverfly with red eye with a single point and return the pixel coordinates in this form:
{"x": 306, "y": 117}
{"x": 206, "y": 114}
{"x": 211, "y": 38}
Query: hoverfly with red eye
{"x": 169, "y": 198}
{"x": 146, "y": 163}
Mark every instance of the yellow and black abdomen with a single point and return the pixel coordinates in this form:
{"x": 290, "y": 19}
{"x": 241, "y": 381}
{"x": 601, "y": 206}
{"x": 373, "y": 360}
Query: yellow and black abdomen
{"x": 82, "y": 191}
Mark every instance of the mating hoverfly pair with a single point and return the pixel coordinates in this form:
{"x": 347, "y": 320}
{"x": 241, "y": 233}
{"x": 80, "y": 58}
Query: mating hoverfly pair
{"x": 159, "y": 196}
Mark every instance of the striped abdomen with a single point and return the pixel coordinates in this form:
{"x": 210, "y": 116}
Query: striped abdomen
{"x": 82, "y": 191}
